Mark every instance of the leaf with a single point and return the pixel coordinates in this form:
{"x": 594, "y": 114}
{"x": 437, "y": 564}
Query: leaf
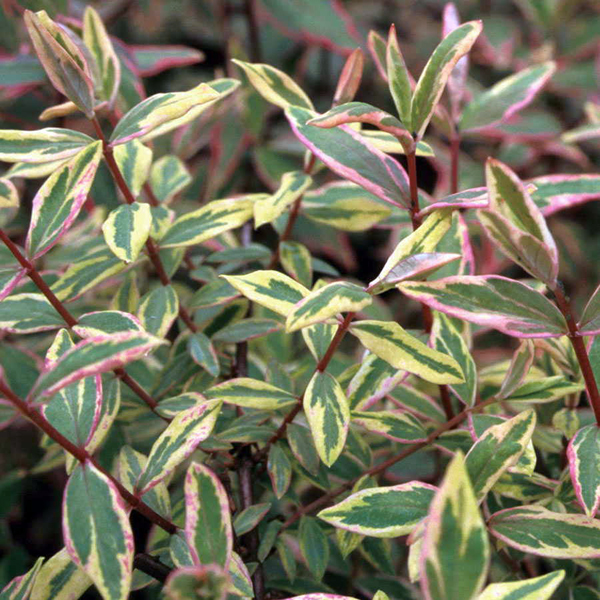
{"x": 9, "y": 201}
{"x": 399, "y": 79}
{"x": 177, "y": 442}
{"x": 583, "y": 453}
{"x": 59, "y": 200}
{"x": 378, "y": 49}
{"x": 325, "y": 302}
{"x": 246, "y": 329}
{"x": 160, "y": 113}
{"x": 207, "y": 521}
{"x": 519, "y": 366}
{"x": 20, "y": 587}
{"x": 328, "y": 415}
{"x": 239, "y": 577}
{"x": 536, "y": 530}
{"x": 448, "y": 339}
{"x": 134, "y": 160}
{"x": 203, "y": 353}
{"x": 302, "y": 447}
{"x": 497, "y": 302}
{"x": 499, "y": 448}
{"x": 296, "y": 260}
{"x": 270, "y": 289}
{"x": 397, "y": 426}
{"x": 274, "y": 85}
{"x": 292, "y": 187}
{"x": 93, "y": 356}
{"x": 537, "y": 588}
{"x": 556, "y": 192}
{"x": 313, "y": 546}
{"x": 62, "y": 60}
{"x": 208, "y": 582}
{"x": 455, "y": 540}
{"x": 318, "y": 337}
{"x": 151, "y": 60}
{"x": 127, "y": 229}
{"x": 590, "y": 319}
{"x": 349, "y": 79}
{"x": 60, "y": 579}
{"x": 207, "y": 222}
{"x": 279, "y": 469}
{"x": 423, "y": 240}
{"x": 547, "y": 389}
{"x": 516, "y": 225}
{"x": 252, "y": 393}
{"x": 433, "y": 79}
{"x": 106, "y": 322}
{"x": 345, "y": 206}
{"x": 472, "y": 198}
{"x": 28, "y": 313}
{"x": 168, "y": 177}
{"x": 352, "y": 157}
{"x": 158, "y": 309}
{"x": 458, "y": 77}
{"x": 505, "y": 98}
{"x": 383, "y": 512}
{"x": 92, "y": 506}
{"x": 96, "y": 39}
{"x": 250, "y": 517}
{"x": 393, "y": 344}
{"x": 41, "y": 145}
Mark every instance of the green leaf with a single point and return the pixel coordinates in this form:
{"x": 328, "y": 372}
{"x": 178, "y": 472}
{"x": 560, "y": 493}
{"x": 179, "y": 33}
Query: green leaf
{"x": 59, "y": 200}
{"x": 270, "y": 289}
{"x": 583, "y": 453}
{"x": 93, "y": 506}
{"x": 492, "y": 301}
{"x": 41, "y": 145}
{"x": 274, "y": 85}
{"x": 203, "y": 353}
{"x": 250, "y": 517}
{"x": 456, "y": 540}
{"x": 499, "y": 448}
{"x": 246, "y": 329}
{"x": 96, "y": 39}
{"x": 177, "y": 442}
{"x": 292, "y": 187}
{"x": 325, "y": 302}
{"x": 382, "y": 511}
{"x": 207, "y": 519}
{"x": 328, "y": 414}
{"x": 313, "y": 546}
{"x": 28, "y": 313}
{"x": 207, "y": 222}
{"x": 538, "y": 588}
{"x": 60, "y": 579}
{"x": 208, "y": 582}
{"x": 398, "y": 79}
{"x": 296, "y": 260}
{"x": 20, "y": 587}
{"x": 106, "y": 322}
{"x": 158, "y": 309}
{"x": 397, "y": 426}
{"x": 127, "y": 229}
{"x": 506, "y": 97}
{"x": 393, "y": 344}
{"x": 303, "y": 447}
{"x": 93, "y": 356}
{"x": 168, "y": 177}
{"x": 519, "y": 366}
{"x": 279, "y": 469}
{"x": 544, "y": 390}
{"x": 536, "y": 530}
{"x": 433, "y": 79}
{"x": 252, "y": 393}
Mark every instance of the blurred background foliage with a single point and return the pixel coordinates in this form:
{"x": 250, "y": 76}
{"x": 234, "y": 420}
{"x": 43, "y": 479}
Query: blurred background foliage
{"x": 245, "y": 144}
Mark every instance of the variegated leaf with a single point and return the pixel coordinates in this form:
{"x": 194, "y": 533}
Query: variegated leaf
{"x": 536, "y": 530}
{"x": 325, "y": 302}
{"x": 274, "y": 85}
{"x": 207, "y": 519}
{"x": 472, "y": 198}
{"x": 279, "y": 469}
{"x": 590, "y": 319}
{"x": 134, "y": 160}
{"x": 20, "y": 587}
{"x": 59, "y": 200}
{"x": 270, "y": 289}
{"x": 557, "y": 192}
{"x": 399, "y": 79}
{"x": 296, "y": 260}
{"x": 127, "y": 229}
{"x": 537, "y": 588}
{"x": 158, "y": 309}
{"x": 168, "y": 177}
{"x": 498, "y": 302}
{"x": 292, "y": 186}
{"x": 456, "y": 540}
{"x": 60, "y": 579}
{"x": 499, "y": 448}
{"x": 250, "y": 517}
{"x": 9, "y": 201}
{"x": 396, "y": 346}
{"x": 328, "y": 414}
{"x": 546, "y": 389}
{"x": 92, "y": 506}
{"x": 252, "y": 393}
{"x": 349, "y": 80}
{"x": 583, "y": 453}
{"x": 521, "y": 360}
{"x": 382, "y": 511}
{"x": 397, "y": 426}
{"x": 105, "y": 322}
{"x": 41, "y": 145}
{"x": 28, "y": 313}
{"x": 207, "y": 222}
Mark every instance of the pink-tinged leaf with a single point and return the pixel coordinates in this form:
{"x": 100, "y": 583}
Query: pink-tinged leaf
{"x": 519, "y": 367}
{"x": 492, "y": 301}
{"x": 92, "y": 507}
{"x": 59, "y": 200}
{"x": 359, "y": 112}
{"x": 350, "y": 156}
{"x": 400, "y": 81}
{"x": 472, "y": 198}
{"x": 93, "y": 356}
{"x": 208, "y": 529}
{"x": 189, "y": 428}
{"x": 558, "y": 192}
{"x": 458, "y": 78}
{"x": 590, "y": 319}
{"x": 9, "y": 279}
{"x": 350, "y": 77}
{"x": 583, "y": 453}
{"x": 152, "y": 60}
{"x": 20, "y": 587}
{"x": 377, "y": 48}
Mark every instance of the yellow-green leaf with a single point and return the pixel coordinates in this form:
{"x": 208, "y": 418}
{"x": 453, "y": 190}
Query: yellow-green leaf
{"x": 127, "y": 229}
